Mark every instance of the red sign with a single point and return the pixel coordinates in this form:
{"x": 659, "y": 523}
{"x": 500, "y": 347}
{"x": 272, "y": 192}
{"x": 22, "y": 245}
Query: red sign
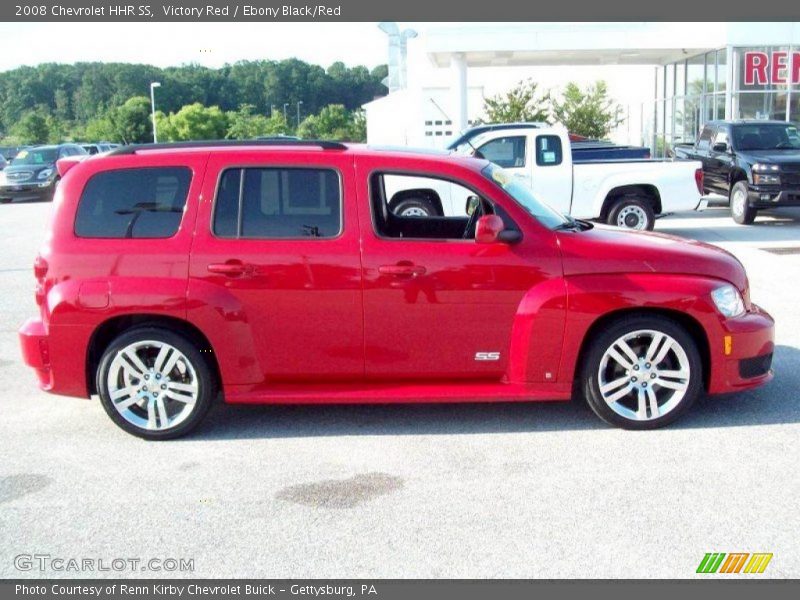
{"x": 762, "y": 68}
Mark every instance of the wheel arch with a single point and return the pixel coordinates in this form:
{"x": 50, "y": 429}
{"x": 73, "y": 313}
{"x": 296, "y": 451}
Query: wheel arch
{"x": 736, "y": 175}
{"x": 689, "y": 323}
{"x": 108, "y": 330}
{"x": 644, "y": 191}
{"x": 426, "y": 194}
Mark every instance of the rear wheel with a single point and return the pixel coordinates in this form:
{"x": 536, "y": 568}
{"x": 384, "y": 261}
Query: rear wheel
{"x": 154, "y": 383}
{"x": 415, "y": 207}
{"x": 741, "y": 211}
{"x": 632, "y": 212}
{"x": 642, "y": 372}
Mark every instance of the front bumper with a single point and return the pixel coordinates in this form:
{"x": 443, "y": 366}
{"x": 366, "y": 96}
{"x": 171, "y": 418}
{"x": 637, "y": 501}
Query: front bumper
{"x": 743, "y": 356}
{"x": 770, "y": 196}
{"x": 29, "y": 192}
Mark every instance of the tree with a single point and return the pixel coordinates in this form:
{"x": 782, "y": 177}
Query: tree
{"x": 244, "y": 124}
{"x": 590, "y": 112}
{"x": 131, "y": 122}
{"x": 193, "y": 122}
{"x": 521, "y": 104}
{"x": 334, "y": 122}
{"x": 32, "y": 128}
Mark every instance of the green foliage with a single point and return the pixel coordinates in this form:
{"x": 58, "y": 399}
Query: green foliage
{"x": 589, "y": 112}
{"x": 521, "y": 104}
{"x": 244, "y": 124}
{"x": 131, "y": 123}
{"x": 334, "y": 122}
{"x": 192, "y": 122}
{"x": 85, "y": 94}
{"x": 32, "y": 128}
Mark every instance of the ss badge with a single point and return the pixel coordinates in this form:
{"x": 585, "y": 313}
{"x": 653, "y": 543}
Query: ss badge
{"x": 487, "y": 356}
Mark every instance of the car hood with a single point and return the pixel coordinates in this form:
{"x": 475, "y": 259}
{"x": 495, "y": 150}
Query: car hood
{"x": 25, "y": 168}
{"x": 778, "y": 157}
{"x": 607, "y": 250}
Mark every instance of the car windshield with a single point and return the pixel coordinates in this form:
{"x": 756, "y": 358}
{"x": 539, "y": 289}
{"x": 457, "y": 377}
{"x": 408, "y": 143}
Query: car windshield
{"x": 544, "y": 213}
{"x": 766, "y": 136}
{"x": 39, "y": 156}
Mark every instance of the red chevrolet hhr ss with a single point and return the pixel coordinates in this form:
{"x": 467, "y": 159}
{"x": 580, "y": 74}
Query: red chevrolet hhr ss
{"x": 279, "y": 272}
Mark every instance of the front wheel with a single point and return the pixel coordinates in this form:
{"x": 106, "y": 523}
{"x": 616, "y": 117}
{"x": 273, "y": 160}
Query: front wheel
{"x": 632, "y": 212}
{"x": 741, "y": 211}
{"x": 154, "y": 383}
{"x": 642, "y": 372}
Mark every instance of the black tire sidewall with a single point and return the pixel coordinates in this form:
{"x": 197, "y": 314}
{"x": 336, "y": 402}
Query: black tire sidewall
{"x": 206, "y": 380}
{"x": 598, "y": 346}
{"x": 415, "y": 203}
{"x": 749, "y": 214}
{"x": 620, "y": 204}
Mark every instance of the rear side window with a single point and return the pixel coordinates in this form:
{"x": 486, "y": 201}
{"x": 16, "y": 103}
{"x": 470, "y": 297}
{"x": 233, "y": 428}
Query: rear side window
{"x": 548, "y": 150}
{"x": 133, "y": 203}
{"x": 278, "y": 203}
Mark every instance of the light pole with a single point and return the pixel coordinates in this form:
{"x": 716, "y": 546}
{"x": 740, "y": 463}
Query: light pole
{"x": 284, "y": 111}
{"x": 298, "y": 112}
{"x": 153, "y": 87}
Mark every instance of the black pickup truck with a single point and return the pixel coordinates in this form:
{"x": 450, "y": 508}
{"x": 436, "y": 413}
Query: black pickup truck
{"x": 756, "y": 164}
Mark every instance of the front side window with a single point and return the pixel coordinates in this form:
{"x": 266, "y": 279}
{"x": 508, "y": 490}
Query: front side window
{"x": 705, "y": 139}
{"x": 278, "y": 203}
{"x": 548, "y": 151}
{"x": 721, "y": 137}
{"x": 133, "y": 203}
{"x": 506, "y": 152}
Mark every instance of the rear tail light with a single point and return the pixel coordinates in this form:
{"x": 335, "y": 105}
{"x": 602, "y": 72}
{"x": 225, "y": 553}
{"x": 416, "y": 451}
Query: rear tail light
{"x": 698, "y": 179}
{"x": 40, "y": 267}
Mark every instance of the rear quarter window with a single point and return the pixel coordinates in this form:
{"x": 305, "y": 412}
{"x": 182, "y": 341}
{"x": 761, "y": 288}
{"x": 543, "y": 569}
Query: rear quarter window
{"x": 133, "y": 203}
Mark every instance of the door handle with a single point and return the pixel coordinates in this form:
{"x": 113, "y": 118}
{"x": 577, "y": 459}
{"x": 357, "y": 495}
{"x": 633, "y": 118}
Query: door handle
{"x": 232, "y": 268}
{"x": 402, "y": 270}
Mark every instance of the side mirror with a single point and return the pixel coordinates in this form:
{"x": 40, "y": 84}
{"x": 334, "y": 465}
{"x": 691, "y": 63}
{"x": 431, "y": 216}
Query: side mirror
{"x": 720, "y": 147}
{"x": 491, "y": 229}
{"x": 472, "y": 203}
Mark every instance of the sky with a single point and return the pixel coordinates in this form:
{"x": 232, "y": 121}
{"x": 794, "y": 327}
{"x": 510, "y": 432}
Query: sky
{"x": 172, "y": 44}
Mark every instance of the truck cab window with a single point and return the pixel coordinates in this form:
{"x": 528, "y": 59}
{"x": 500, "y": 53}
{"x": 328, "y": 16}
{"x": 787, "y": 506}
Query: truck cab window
{"x": 548, "y": 151}
{"x": 507, "y": 152}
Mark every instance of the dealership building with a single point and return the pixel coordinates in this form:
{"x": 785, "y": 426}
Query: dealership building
{"x": 684, "y": 74}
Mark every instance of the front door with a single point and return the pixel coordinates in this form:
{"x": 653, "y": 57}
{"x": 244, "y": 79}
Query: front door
{"x": 276, "y": 249}
{"x": 437, "y": 306}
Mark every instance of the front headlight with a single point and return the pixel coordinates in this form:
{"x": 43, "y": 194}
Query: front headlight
{"x": 765, "y": 179}
{"x": 728, "y": 300}
{"x": 45, "y": 174}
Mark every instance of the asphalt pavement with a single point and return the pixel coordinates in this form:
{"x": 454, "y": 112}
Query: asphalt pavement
{"x": 490, "y": 490}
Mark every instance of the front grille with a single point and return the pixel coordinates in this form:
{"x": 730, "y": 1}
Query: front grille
{"x": 15, "y": 176}
{"x": 755, "y": 367}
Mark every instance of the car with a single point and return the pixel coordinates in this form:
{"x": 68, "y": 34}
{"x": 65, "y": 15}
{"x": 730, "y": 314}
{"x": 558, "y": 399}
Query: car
{"x": 753, "y": 163}
{"x": 32, "y": 174}
{"x": 275, "y": 272}
{"x": 628, "y": 193}
{"x": 3, "y": 162}
{"x": 99, "y": 147}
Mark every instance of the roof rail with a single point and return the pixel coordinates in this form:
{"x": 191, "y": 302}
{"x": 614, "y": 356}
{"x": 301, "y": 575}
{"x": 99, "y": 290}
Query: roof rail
{"x": 133, "y": 148}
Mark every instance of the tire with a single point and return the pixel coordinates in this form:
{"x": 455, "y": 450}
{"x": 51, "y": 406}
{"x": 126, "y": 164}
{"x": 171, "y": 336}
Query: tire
{"x": 632, "y": 212}
{"x": 632, "y": 409}
{"x": 741, "y": 211}
{"x": 415, "y": 207}
{"x": 142, "y": 416}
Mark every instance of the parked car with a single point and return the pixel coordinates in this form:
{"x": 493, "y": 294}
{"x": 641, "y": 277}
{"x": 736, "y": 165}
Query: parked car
{"x": 624, "y": 193}
{"x": 3, "y": 162}
{"x": 756, "y": 164}
{"x": 275, "y": 272}
{"x": 99, "y": 147}
{"x": 32, "y": 175}
{"x": 583, "y": 148}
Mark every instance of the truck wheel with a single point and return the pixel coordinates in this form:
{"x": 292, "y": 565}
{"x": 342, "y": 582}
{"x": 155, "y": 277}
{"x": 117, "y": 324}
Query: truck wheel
{"x": 415, "y": 207}
{"x": 631, "y": 212}
{"x": 642, "y": 372}
{"x": 154, "y": 383}
{"x": 741, "y": 211}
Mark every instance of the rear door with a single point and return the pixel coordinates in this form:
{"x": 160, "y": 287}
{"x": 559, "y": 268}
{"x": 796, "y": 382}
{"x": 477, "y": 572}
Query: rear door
{"x": 276, "y": 263}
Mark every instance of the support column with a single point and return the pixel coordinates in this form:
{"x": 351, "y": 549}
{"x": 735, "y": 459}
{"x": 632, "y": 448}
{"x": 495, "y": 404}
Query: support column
{"x": 458, "y": 69}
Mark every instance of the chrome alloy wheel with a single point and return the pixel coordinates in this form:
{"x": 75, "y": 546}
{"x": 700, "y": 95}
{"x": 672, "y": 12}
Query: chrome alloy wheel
{"x": 644, "y": 375}
{"x": 739, "y": 202}
{"x": 414, "y": 211}
{"x": 152, "y": 385}
{"x": 632, "y": 217}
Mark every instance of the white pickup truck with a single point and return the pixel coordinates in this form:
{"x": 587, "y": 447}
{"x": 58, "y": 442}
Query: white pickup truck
{"x": 625, "y": 193}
